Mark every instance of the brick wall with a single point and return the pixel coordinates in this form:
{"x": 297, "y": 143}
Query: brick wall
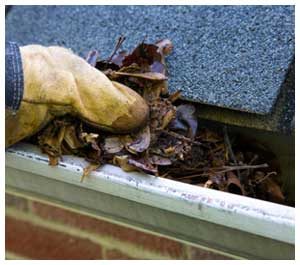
{"x": 34, "y": 230}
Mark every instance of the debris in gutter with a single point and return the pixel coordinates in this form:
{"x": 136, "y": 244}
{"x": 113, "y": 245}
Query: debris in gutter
{"x": 172, "y": 144}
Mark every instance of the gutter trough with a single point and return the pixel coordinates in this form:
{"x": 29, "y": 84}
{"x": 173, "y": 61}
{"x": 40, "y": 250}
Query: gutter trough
{"x": 232, "y": 225}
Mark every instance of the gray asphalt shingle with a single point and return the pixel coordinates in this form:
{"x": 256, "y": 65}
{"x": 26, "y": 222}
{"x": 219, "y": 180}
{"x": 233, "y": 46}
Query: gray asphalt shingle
{"x": 234, "y": 56}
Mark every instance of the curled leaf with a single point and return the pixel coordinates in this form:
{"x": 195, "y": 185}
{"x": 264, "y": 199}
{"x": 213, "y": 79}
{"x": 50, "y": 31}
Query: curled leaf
{"x": 274, "y": 193}
{"x": 142, "y": 141}
{"x": 113, "y": 145}
{"x": 94, "y": 155}
{"x": 143, "y": 164}
{"x": 118, "y": 58}
{"x": 185, "y": 120}
{"x": 234, "y": 185}
{"x": 92, "y": 57}
{"x": 143, "y": 55}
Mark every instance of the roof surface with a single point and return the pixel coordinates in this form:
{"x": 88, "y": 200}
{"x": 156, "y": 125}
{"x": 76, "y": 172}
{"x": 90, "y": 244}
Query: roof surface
{"x": 234, "y": 56}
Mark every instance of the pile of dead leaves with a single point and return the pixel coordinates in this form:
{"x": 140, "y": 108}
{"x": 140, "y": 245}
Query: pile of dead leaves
{"x": 172, "y": 145}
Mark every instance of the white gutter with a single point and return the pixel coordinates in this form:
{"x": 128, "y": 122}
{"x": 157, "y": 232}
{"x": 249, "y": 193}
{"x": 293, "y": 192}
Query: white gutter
{"x": 265, "y": 219}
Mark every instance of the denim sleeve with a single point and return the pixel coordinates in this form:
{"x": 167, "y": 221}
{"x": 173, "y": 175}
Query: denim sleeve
{"x": 14, "y": 80}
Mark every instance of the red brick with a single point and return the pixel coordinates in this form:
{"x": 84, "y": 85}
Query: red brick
{"x": 116, "y": 254}
{"x": 16, "y": 202}
{"x": 36, "y": 242}
{"x": 154, "y": 243}
{"x": 202, "y": 254}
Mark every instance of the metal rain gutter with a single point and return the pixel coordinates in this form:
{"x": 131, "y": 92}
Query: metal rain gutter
{"x": 231, "y": 224}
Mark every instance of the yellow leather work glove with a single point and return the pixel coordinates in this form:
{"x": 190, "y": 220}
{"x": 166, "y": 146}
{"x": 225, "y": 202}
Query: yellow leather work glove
{"x": 58, "y": 82}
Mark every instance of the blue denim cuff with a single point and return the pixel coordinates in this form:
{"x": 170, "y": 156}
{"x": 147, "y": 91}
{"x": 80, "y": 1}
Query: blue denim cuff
{"x": 14, "y": 80}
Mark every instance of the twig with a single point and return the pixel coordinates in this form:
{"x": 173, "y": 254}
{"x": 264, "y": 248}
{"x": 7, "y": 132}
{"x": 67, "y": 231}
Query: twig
{"x": 253, "y": 159}
{"x": 265, "y": 177}
{"x": 225, "y": 169}
{"x": 249, "y": 171}
{"x": 231, "y": 154}
{"x": 181, "y": 137}
{"x": 231, "y": 168}
{"x": 165, "y": 175}
{"x": 117, "y": 47}
{"x": 195, "y": 176}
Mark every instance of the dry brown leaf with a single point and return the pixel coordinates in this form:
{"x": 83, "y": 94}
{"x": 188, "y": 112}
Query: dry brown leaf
{"x": 122, "y": 162}
{"x": 141, "y": 142}
{"x": 273, "y": 191}
{"x": 89, "y": 137}
{"x": 153, "y": 76}
{"x": 50, "y": 141}
{"x": 143, "y": 164}
{"x": 70, "y": 137}
{"x": 94, "y": 155}
{"x": 160, "y": 160}
{"x": 234, "y": 185}
{"x": 87, "y": 170}
{"x": 167, "y": 119}
{"x": 186, "y": 118}
{"x": 113, "y": 144}
{"x": 53, "y": 160}
{"x": 144, "y": 55}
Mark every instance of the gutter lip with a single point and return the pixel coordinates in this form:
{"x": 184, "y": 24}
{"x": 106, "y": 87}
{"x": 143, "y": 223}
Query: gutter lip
{"x": 254, "y": 216}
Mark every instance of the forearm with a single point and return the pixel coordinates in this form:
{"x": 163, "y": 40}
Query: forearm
{"x": 14, "y": 80}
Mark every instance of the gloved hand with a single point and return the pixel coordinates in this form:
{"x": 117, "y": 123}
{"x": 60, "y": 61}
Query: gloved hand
{"x": 57, "y": 82}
